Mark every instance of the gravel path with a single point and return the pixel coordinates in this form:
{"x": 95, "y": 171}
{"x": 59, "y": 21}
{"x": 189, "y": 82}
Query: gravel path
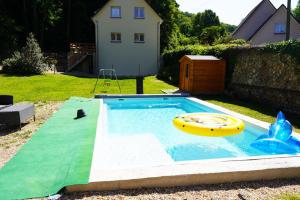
{"x": 12, "y": 140}
{"x": 235, "y": 191}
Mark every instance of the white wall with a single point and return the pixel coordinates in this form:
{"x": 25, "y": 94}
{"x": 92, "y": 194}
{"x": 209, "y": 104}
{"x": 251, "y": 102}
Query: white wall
{"x": 127, "y": 55}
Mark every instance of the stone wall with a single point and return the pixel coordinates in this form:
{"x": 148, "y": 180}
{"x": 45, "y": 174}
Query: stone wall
{"x": 268, "y": 78}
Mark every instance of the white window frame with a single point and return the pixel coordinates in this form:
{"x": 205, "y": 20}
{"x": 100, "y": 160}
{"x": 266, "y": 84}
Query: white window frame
{"x": 114, "y": 37}
{"x": 138, "y": 10}
{"x": 139, "y": 38}
{"x": 279, "y": 28}
{"x": 111, "y": 11}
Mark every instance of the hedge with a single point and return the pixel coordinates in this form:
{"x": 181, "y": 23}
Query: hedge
{"x": 170, "y": 70}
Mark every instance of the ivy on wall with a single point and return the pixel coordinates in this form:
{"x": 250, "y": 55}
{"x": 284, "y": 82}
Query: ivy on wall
{"x": 291, "y": 47}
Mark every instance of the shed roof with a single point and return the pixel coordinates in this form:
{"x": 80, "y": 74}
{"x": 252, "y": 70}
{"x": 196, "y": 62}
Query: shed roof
{"x": 199, "y": 57}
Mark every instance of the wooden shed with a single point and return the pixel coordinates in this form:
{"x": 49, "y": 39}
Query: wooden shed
{"x": 202, "y": 74}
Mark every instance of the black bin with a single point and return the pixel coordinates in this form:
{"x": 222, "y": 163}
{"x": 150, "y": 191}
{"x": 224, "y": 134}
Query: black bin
{"x": 139, "y": 85}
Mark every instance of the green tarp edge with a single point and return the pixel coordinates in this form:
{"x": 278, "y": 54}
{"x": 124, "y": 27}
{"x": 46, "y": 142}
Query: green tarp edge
{"x": 58, "y": 155}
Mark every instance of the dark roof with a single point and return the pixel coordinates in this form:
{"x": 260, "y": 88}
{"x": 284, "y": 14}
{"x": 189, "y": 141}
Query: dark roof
{"x": 282, "y": 5}
{"x": 250, "y": 14}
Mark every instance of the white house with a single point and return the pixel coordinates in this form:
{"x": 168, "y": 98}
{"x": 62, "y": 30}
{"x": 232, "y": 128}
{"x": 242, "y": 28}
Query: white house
{"x": 128, "y": 37}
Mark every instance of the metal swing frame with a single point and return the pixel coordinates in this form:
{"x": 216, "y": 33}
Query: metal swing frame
{"x": 104, "y": 73}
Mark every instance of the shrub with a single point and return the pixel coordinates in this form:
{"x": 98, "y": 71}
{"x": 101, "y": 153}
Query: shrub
{"x": 230, "y": 40}
{"x": 170, "y": 70}
{"x": 291, "y": 47}
{"x": 211, "y": 34}
{"x": 28, "y": 61}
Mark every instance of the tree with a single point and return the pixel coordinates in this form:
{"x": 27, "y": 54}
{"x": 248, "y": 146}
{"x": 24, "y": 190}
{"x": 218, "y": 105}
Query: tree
{"x": 46, "y": 14}
{"x": 29, "y": 60}
{"x": 185, "y": 23}
{"x": 55, "y": 23}
{"x": 8, "y": 35}
{"x": 169, "y": 12}
{"x": 211, "y": 34}
{"x": 204, "y": 20}
{"x": 296, "y": 11}
{"x": 228, "y": 27}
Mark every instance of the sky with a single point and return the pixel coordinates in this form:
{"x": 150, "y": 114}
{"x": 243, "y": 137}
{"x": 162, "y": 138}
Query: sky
{"x": 229, "y": 11}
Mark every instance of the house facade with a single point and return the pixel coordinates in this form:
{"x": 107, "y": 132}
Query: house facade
{"x": 128, "y": 37}
{"x": 266, "y": 24}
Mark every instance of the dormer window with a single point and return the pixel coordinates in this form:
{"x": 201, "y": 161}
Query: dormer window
{"x": 115, "y": 12}
{"x": 280, "y": 28}
{"x": 139, "y": 13}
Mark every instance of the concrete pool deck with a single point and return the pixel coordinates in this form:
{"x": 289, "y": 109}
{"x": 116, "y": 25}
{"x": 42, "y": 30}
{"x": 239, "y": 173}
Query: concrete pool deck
{"x": 162, "y": 172}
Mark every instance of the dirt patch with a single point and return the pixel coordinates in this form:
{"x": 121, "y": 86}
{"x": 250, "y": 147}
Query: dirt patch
{"x": 11, "y": 140}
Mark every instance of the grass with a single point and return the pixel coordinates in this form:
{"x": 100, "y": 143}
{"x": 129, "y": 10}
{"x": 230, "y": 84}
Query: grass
{"x": 258, "y": 111}
{"x": 59, "y": 87}
{"x": 288, "y": 196}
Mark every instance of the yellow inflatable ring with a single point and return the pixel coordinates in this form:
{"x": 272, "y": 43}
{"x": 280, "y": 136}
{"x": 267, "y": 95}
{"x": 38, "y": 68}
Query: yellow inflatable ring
{"x": 209, "y": 124}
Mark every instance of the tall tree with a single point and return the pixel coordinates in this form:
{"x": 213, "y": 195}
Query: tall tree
{"x": 296, "y": 11}
{"x": 204, "y": 20}
{"x": 48, "y": 12}
{"x": 210, "y": 34}
{"x": 185, "y": 23}
{"x": 168, "y": 11}
{"x": 8, "y": 35}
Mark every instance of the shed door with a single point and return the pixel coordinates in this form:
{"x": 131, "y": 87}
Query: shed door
{"x": 186, "y": 74}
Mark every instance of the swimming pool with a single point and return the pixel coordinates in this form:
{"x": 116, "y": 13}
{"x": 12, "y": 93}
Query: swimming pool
{"x": 137, "y": 116}
{"x": 137, "y": 146}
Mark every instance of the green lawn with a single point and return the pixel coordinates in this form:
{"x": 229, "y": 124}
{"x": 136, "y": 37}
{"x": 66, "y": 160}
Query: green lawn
{"x": 251, "y": 109}
{"x": 59, "y": 87}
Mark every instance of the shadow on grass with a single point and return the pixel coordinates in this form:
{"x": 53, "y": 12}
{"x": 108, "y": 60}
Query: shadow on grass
{"x": 262, "y": 108}
{"x": 173, "y": 190}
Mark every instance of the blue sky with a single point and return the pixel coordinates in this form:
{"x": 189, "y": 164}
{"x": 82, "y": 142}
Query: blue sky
{"x": 229, "y": 11}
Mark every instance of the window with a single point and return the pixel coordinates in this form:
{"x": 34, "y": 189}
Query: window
{"x": 279, "y": 29}
{"x": 115, "y": 12}
{"x": 187, "y": 71}
{"x": 115, "y": 37}
{"x": 139, "y": 13}
{"x": 139, "y": 38}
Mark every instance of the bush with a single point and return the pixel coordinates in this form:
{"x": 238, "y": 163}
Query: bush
{"x": 28, "y": 61}
{"x": 170, "y": 70}
{"x": 291, "y": 47}
{"x": 211, "y": 34}
{"x": 230, "y": 40}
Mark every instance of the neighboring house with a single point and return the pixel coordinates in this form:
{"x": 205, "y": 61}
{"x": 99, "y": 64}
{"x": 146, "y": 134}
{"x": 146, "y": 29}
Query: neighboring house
{"x": 128, "y": 37}
{"x": 266, "y": 24}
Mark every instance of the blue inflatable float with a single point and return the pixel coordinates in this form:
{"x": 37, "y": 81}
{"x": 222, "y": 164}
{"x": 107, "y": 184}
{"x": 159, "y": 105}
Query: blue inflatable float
{"x": 279, "y": 140}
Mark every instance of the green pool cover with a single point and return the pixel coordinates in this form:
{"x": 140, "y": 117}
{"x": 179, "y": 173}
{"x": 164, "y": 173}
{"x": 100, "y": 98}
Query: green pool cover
{"x": 58, "y": 155}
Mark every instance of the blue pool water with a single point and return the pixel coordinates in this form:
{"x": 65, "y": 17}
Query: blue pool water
{"x": 154, "y": 116}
